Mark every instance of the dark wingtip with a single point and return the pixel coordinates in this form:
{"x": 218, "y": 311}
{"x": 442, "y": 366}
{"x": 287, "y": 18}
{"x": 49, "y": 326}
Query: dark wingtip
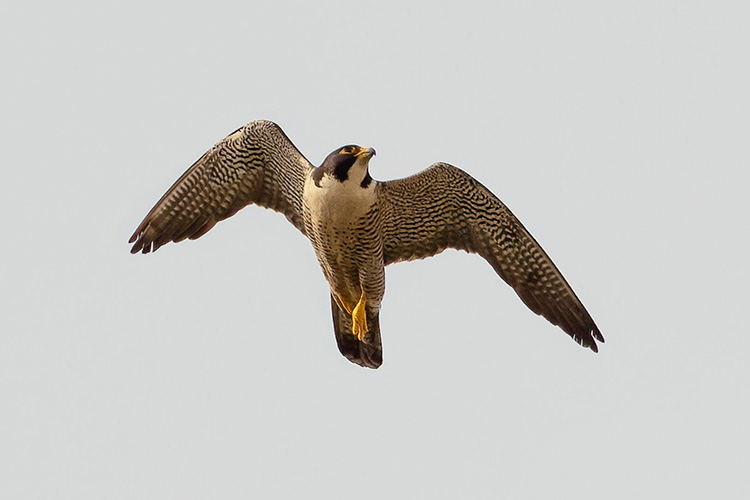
{"x": 595, "y": 335}
{"x": 137, "y": 243}
{"x": 137, "y": 240}
{"x": 598, "y": 335}
{"x": 139, "y": 246}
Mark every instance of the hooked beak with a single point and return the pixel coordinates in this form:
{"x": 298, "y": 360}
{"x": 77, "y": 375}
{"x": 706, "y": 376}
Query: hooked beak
{"x": 366, "y": 152}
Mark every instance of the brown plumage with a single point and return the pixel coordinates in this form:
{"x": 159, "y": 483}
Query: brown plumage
{"x": 358, "y": 226}
{"x": 255, "y": 164}
{"x": 444, "y": 207}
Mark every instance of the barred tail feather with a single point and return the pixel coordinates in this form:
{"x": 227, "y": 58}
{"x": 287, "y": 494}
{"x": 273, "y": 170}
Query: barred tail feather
{"x": 369, "y": 353}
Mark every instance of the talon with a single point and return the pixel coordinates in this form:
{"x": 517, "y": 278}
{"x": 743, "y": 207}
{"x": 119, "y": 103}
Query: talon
{"x": 359, "y": 319}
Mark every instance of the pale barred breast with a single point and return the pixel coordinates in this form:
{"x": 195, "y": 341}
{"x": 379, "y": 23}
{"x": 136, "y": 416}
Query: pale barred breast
{"x": 340, "y": 222}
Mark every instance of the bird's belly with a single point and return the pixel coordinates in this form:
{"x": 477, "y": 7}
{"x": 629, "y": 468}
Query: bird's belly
{"x": 342, "y": 226}
{"x": 340, "y": 257}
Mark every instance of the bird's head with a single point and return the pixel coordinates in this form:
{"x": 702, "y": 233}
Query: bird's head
{"x": 349, "y": 163}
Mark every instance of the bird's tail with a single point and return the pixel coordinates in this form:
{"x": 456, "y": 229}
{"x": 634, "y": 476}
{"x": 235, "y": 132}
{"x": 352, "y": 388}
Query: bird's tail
{"x": 368, "y": 353}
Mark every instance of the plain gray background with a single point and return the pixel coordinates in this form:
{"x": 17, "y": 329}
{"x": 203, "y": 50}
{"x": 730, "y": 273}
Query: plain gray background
{"x": 617, "y": 133}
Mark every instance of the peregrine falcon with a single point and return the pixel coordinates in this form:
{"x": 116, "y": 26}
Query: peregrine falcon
{"x": 358, "y": 225}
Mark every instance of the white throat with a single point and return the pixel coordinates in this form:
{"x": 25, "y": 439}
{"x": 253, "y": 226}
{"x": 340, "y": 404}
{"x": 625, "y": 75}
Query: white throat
{"x": 337, "y": 201}
{"x": 358, "y": 171}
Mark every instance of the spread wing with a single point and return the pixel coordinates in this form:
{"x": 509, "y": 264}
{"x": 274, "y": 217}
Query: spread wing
{"x": 255, "y": 164}
{"x": 444, "y": 207}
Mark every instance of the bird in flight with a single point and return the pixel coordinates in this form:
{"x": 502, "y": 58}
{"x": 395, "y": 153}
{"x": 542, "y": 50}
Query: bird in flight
{"x": 358, "y": 225}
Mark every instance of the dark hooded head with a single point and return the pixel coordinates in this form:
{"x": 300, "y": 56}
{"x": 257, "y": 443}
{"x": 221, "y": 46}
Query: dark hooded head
{"x": 346, "y": 163}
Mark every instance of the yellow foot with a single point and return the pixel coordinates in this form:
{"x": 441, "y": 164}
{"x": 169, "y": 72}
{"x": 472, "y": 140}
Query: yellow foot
{"x": 359, "y": 319}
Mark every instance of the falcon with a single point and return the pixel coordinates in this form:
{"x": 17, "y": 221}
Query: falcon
{"x": 358, "y": 225}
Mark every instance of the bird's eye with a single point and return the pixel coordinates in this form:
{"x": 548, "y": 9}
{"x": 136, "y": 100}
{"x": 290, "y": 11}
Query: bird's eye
{"x": 346, "y": 150}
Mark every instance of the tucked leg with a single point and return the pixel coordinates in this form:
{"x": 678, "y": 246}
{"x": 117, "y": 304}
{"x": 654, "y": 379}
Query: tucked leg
{"x": 359, "y": 318}
{"x": 343, "y": 303}
{"x": 368, "y": 354}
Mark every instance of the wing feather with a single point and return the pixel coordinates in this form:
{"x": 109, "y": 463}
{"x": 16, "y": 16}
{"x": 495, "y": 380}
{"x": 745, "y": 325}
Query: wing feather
{"x": 257, "y": 164}
{"x": 444, "y": 207}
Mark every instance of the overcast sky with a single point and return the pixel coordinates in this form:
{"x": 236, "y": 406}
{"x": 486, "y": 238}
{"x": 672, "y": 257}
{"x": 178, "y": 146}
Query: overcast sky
{"x": 618, "y": 134}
